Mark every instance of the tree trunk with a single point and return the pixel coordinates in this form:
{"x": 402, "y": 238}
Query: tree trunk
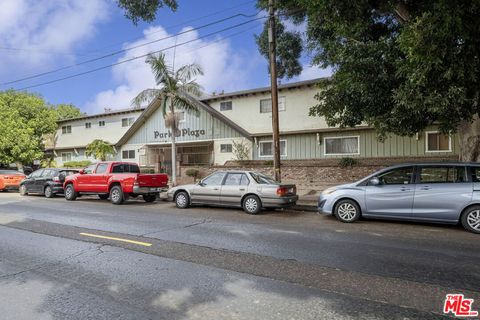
{"x": 174, "y": 149}
{"x": 469, "y": 140}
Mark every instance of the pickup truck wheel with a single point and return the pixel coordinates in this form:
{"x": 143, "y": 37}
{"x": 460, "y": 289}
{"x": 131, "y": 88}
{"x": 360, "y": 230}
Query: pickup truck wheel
{"x": 70, "y": 193}
{"x": 103, "y": 196}
{"x": 48, "y": 192}
{"x": 182, "y": 200}
{"x": 252, "y": 205}
{"x": 116, "y": 195}
{"x": 149, "y": 197}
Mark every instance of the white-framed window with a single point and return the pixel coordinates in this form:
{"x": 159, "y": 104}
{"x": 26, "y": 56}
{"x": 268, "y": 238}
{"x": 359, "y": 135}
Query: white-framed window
{"x": 66, "y": 156}
{"x": 226, "y": 148}
{"x": 266, "y": 105}
{"x": 336, "y": 146}
{"x": 88, "y": 125}
{"x": 266, "y": 148}
{"x": 127, "y": 122}
{"x": 101, "y": 123}
{"x": 225, "y": 105}
{"x": 66, "y": 129}
{"x": 437, "y": 142}
{"x": 128, "y": 154}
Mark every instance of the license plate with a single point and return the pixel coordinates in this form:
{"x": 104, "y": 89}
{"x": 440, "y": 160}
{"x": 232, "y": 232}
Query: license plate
{"x": 154, "y": 189}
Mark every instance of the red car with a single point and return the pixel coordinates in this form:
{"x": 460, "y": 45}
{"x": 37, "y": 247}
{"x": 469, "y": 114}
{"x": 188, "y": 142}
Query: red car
{"x": 115, "y": 180}
{"x": 10, "y": 179}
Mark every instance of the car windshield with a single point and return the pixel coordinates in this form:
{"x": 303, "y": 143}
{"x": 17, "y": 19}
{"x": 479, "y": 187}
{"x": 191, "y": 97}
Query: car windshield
{"x": 262, "y": 179}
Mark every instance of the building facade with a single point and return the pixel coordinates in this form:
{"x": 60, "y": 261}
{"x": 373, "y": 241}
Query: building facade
{"x": 225, "y": 123}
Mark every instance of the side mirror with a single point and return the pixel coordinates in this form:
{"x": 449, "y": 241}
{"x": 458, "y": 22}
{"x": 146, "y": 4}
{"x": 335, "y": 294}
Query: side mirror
{"x": 81, "y": 171}
{"x": 374, "y": 181}
{"x": 200, "y": 183}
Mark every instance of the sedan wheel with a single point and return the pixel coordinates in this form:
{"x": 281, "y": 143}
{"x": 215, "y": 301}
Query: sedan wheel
{"x": 48, "y": 192}
{"x": 23, "y": 190}
{"x": 181, "y": 200}
{"x": 471, "y": 219}
{"x": 252, "y": 204}
{"x": 347, "y": 211}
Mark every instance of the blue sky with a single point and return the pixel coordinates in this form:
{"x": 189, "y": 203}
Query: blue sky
{"x": 40, "y": 36}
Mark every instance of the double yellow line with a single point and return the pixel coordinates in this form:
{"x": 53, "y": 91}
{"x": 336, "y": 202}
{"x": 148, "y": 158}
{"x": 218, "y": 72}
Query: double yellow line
{"x": 145, "y": 244}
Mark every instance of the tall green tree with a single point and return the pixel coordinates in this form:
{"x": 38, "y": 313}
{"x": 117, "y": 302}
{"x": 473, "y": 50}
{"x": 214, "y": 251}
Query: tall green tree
{"x": 25, "y": 119}
{"x": 67, "y": 111}
{"x": 176, "y": 89}
{"x": 99, "y": 149}
{"x": 145, "y": 10}
{"x": 399, "y": 65}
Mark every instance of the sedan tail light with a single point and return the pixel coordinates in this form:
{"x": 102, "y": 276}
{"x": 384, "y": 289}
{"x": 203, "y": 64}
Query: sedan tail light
{"x": 282, "y": 191}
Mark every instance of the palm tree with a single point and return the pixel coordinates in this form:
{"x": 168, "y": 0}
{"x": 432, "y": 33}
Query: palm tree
{"x": 175, "y": 91}
{"x": 99, "y": 149}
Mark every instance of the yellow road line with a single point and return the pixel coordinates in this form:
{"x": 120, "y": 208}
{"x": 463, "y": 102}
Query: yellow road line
{"x": 146, "y": 244}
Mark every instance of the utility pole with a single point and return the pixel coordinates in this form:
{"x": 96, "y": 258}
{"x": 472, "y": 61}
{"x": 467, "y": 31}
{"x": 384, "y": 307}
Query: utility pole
{"x": 272, "y": 48}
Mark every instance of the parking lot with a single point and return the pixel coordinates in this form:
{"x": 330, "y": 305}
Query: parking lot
{"x": 288, "y": 258}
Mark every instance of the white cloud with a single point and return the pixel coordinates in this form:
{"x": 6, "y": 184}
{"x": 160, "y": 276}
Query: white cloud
{"x": 46, "y": 31}
{"x": 312, "y": 72}
{"x": 224, "y": 69}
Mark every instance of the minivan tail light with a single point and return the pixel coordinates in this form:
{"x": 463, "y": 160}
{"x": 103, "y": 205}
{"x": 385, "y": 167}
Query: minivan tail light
{"x": 56, "y": 179}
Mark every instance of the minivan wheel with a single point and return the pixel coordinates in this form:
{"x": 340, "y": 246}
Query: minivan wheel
{"x": 23, "y": 190}
{"x": 116, "y": 195}
{"x": 70, "y": 193}
{"x": 48, "y": 192}
{"x": 471, "y": 219}
{"x": 347, "y": 211}
{"x": 182, "y": 200}
{"x": 252, "y": 205}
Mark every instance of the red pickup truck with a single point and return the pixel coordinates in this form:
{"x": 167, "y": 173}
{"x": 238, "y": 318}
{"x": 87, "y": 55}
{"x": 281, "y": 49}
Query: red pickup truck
{"x": 115, "y": 180}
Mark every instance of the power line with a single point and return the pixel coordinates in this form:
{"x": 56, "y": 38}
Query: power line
{"x": 139, "y": 57}
{"x": 126, "y": 49}
{"x": 174, "y": 26}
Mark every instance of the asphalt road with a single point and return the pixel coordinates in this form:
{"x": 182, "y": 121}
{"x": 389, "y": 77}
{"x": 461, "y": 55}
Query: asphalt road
{"x": 68, "y": 260}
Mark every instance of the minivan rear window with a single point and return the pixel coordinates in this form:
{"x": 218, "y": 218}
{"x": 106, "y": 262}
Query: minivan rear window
{"x": 442, "y": 174}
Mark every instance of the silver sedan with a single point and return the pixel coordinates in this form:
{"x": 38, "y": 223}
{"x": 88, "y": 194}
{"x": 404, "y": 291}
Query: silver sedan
{"x": 428, "y": 192}
{"x": 249, "y": 190}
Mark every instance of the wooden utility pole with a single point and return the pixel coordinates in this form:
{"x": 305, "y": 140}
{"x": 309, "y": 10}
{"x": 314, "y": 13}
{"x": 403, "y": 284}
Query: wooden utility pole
{"x": 272, "y": 47}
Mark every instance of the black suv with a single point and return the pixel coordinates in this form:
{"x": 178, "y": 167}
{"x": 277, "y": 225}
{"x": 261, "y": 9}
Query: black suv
{"x": 48, "y": 182}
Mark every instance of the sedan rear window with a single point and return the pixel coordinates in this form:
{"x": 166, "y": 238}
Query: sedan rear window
{"x": 262, "y": 179}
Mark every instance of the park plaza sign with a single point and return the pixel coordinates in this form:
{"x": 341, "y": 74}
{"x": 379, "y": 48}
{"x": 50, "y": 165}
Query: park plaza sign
{"x": 180, "y": 133}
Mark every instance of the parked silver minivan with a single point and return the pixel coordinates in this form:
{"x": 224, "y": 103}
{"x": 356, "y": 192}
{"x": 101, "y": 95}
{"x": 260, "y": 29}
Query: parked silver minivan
{"x": 430, "y": 192}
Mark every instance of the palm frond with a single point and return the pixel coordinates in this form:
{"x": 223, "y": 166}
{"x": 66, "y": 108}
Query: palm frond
{"x": 161, "y": 71}
{"x": 192, "y": 88}
{"x": 146, "y": 96}
{"x": 182, "y": 102}
{"x": 187, "y": 72}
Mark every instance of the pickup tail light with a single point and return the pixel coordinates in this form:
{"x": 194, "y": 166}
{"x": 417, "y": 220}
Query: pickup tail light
{"x": 283, "y": 191}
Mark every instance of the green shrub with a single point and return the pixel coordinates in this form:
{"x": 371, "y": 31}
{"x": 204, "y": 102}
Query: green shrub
{"x": 347, "y": 162}
{"x": 77, "y": 164}
{"x": 147, "y": 170}
{"x": 268, "y": 162}
{"x": 194, "y": 173}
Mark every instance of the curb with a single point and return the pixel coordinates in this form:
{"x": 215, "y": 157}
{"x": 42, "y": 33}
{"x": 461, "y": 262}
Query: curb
{"x": 304, "y": 207}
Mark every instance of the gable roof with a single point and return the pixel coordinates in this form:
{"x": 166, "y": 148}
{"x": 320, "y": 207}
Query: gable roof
{"x": 154, "y": 105}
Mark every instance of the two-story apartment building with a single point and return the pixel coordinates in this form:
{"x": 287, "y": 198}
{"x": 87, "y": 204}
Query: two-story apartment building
{"x": 208, "y": 137}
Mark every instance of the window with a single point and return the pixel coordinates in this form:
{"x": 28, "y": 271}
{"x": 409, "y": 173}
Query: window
{"x": 266, "y": 148}
{"x": 475, "y": 174}
{"x": 225, "y": 105}
{"x": 125, "y": 167}
{"x": 442, "y": 174}
{"x": 37, "y": 174}
{"x": 266, "y": 105}
{"x": 88, "y": 125}
{"x": 262, "y": 179}
{"x": 233, "y": 179}
{"x": 48, "y": 173}
{"x": 102, "y": 168}
{"x": 127, "y": 122}
{"x": 128, "y": 154}
{"x": 214, "y": 179}
{"x": 101, "y": 123}
{"x": 66, "y": 156}
{"x": 397, "y": 176}
{"x": 90, "y": 168}
{"x": 437, "y": 142}
{"x": 225, "y": 148}
{"x": 342, "y": 145}
{"x": 66, "y": 129}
